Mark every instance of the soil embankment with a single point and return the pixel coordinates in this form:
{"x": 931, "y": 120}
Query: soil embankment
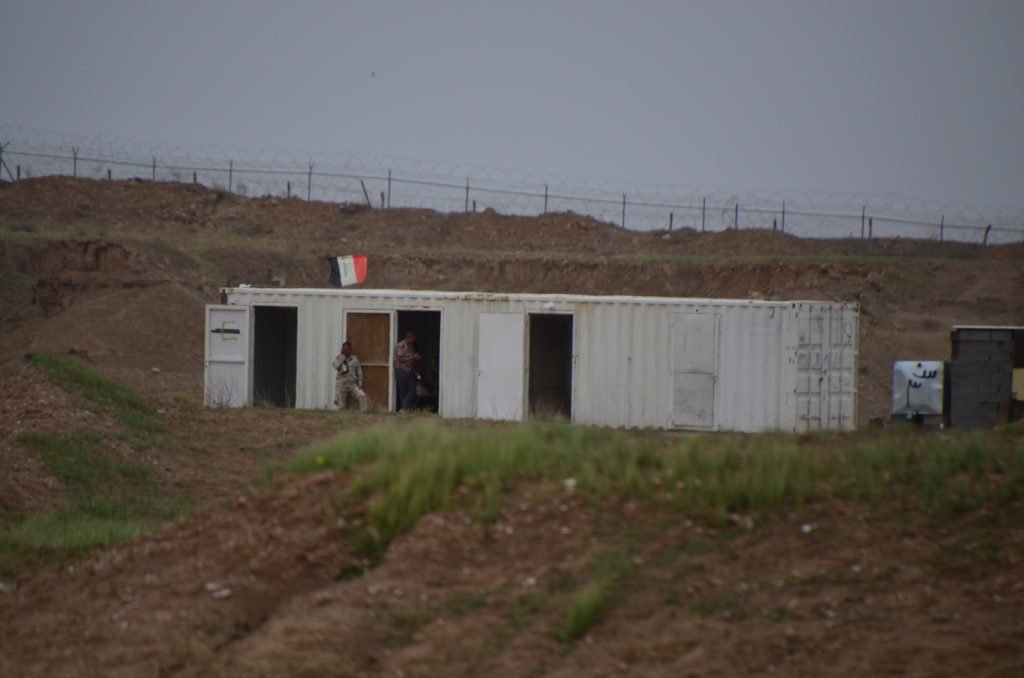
{"x": 119, "y": 271}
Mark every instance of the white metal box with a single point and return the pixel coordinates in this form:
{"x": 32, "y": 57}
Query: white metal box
{"x": 647, "y": 362}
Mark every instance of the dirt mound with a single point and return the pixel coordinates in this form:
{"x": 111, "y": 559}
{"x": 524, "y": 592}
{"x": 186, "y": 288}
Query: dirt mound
{"x": 118, "y": 273}
{"x": 144, "y": 336}
{"x": 182, "y": 212}
{"x": 127, "y": 308}
{"x": 270, "y": 588}
{"x": 190, "y": 453}
{"x": 180, "y": 595}
{"x": 64, "y": 269}
{"x": 121, "y": 270}
{"x": 29, "y": 402}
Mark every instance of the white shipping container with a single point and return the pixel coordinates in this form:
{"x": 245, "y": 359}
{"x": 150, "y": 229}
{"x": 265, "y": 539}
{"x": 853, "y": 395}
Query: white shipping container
{"x": 649, "y": 362}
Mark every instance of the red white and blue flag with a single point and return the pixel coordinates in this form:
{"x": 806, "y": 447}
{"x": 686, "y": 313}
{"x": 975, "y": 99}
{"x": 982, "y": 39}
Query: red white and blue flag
{"x": 347, "y": 271}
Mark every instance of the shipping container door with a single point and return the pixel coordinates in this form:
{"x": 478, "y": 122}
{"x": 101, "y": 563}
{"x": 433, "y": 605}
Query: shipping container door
{"x": 826, "y": 389}
{"x": 500, "y": 366}
{"x": 694, "y": 369}
{"x": 226, "y": 372}
{"x": 370, "y": 334}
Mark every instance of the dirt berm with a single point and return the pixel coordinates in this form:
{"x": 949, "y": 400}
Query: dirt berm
{"x": 119, "y": 271}
{"x": 274, "y": 582}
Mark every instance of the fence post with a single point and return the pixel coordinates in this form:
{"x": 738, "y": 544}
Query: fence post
{"x": 775, "y": 224}
{"x": 382, "y": 199}
{"x": 154, "y": 168}
{"x": 109, "y": 176}
{"x": 736, "y": 219}
{"x": 74, "y": 161}
{"x": 863, "y": 213}
{"x": 389, "y": 189}
{"x": 195, "y": 179}
{"x": 231, "y": 171}
{"x": 871, "y": 228}
{"x": 309, "y": 183}
{"x": 671, "y": 217}
{"x": 289, "y": 190}
{"x": 3, "y": 166}
{"x": 703, "y": 211}
{"x": 783, "y": 216}
{"x": 545, "y": 198}
{"x": 466, "y": 208}
{"x": 366, "y": 194}
{"x": 987, "y": 229}
{"x": 942, "y": 227}
{"x": 623, "y": 210}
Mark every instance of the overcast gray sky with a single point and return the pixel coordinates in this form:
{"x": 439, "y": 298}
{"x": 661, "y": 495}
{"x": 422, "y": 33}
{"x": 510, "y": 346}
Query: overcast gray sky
{"x": 924, "y": 98}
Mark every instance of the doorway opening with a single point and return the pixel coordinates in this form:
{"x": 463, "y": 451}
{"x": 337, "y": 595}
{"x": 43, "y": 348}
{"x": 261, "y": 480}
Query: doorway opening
{"x": 427, "y": 326}
{"x": 273, "y": 364}
{"x": 550, "y": 390}
{"x": 370, "y": 335}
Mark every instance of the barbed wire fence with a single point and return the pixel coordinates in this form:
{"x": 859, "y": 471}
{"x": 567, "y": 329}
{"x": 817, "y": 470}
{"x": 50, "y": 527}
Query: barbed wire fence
{"x": 384, "y": 181}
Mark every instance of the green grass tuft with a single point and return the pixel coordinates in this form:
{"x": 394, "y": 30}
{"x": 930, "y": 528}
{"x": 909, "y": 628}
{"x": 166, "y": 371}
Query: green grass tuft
{"x": 405, "y": 472}
{"x": 69, "y": 530}
{"x": 109, "y": 500}
{"x": 410, "y": 471}
{"x": 126, "y": 406}
{"x": 586, "y": 609}
{"x": 591, "y": 604}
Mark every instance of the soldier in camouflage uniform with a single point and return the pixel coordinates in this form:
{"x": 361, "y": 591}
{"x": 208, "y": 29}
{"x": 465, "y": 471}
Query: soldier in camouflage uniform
{"x": 405, "y": 371}
{"x": 349, "y": 380}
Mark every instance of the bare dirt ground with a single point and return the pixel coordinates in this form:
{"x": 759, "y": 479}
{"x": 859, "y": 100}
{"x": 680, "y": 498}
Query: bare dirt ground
{"x": 205, "y": 455}
{"x": 269, "y": 587}
{"x": 118, "y": 273}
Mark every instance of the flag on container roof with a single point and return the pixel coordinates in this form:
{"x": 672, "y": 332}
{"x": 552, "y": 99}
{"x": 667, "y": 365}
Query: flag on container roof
{"x": 347, "y": 271}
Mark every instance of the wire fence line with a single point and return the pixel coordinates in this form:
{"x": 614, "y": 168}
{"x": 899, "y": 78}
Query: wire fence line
{"x": 392, "y": 182}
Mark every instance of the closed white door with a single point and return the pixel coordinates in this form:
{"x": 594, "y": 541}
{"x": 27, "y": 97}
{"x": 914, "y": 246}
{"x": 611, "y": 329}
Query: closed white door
{"x": 694, "y": 369}
{"x": 501, "y": 366}
{"x": 228, "y": 351}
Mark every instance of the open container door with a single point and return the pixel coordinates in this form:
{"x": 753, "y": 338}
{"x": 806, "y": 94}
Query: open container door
{"x": 501, "y": 366}
{"x": 228, "y": 343}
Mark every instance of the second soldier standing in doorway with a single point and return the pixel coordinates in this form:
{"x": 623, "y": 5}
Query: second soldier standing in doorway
{"x": 405, "y": 371}
{"x": 349, "y": 380}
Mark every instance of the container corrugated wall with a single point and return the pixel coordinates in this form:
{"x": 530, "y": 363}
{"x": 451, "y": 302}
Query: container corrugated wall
{"x": 788, "y": 366}
{"x": 826, "y": 366}
{"x": 751, "y": 365}
{"x": 622, "y": 365}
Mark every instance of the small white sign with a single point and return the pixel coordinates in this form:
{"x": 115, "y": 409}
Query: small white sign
{"x": 917, "y": 387}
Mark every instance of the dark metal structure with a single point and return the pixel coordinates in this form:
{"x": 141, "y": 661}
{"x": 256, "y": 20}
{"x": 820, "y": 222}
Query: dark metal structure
{"x": 981, "y": 376}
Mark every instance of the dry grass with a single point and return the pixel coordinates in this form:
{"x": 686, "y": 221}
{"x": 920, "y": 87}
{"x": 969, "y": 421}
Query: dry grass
{"x": 406, "y": 472}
